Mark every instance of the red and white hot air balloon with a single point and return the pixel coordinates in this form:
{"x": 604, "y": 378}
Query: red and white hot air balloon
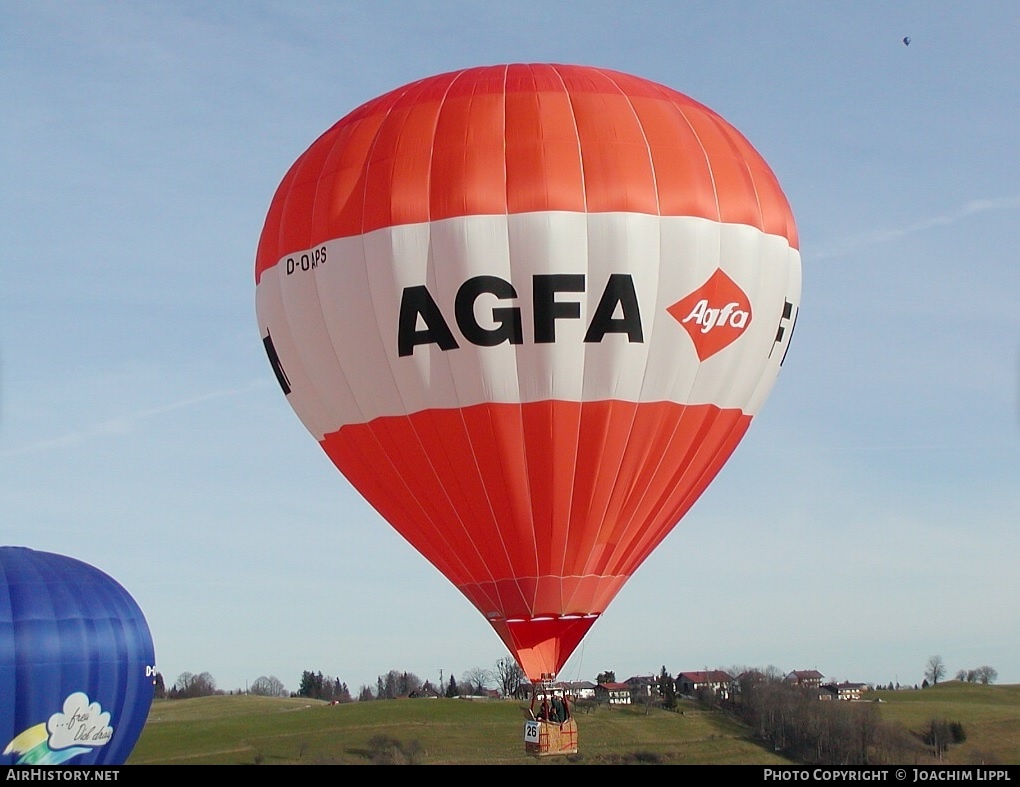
{"x": 529, "y": 311}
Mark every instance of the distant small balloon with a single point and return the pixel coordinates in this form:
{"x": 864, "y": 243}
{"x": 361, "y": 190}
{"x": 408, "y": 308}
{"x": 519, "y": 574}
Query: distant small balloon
{"x": 906, "y": 41}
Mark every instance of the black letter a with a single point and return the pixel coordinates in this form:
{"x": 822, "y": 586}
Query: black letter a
{"x": 417, "y": 301}
{"x": 619, "y": 290}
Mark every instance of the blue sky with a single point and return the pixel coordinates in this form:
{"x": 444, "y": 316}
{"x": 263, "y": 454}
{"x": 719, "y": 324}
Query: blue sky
{"x": 869, "y": 519}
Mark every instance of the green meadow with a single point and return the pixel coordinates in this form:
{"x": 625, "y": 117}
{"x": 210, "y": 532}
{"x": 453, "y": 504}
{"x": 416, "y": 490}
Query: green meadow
{"x": 990, "y": 715}
{"x": 238, "y": 730}
{"x": 246, "y": 730}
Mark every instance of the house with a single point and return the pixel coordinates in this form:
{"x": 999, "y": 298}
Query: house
{"x": 613, "y": 693}
{"x": 716, "y": 681}
{"x": 642, "y": 687}
{"x": 808, "y": 678}
{"x": 850, "y": 692}
{"x": 579, "y": 689}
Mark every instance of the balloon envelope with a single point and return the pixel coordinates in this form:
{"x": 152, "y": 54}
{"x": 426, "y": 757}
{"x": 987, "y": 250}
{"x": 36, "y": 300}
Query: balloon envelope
{"x": 529, "y": 311}
{"x": 76, "y": 662}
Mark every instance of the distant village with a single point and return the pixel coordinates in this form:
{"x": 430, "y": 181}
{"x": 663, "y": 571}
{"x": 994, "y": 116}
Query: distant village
{"x": 710, "y": 685}
{"x": 702, "y": 684}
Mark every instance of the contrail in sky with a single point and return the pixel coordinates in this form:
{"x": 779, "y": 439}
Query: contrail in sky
{"x": 885, "y": 236}
{"x": 122, "y": 424}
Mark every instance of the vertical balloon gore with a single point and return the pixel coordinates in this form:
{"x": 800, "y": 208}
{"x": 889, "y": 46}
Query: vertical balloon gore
{"x": 529, "y": 311}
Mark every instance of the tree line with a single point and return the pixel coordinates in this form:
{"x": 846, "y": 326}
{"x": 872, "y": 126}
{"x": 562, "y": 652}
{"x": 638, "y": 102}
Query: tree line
{"x": 507, "y": 677}
{"x": 935, "y": 670}
{"x": 316, "y": 686}
{"x": 983, "y": 675}
{"x": 795, "y": 722}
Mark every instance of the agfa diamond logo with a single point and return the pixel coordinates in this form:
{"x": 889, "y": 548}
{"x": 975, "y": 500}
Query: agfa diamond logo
{"x": 714, "y": 315}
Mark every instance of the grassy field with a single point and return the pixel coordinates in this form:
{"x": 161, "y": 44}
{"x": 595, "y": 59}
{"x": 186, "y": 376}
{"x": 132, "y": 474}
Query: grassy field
{"x": 990, "y": 716}
{"x": 236, "y": 730}
{"x": 245, "y": 730}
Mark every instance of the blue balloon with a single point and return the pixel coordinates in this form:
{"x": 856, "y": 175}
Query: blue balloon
{"x": 76, "y": 663}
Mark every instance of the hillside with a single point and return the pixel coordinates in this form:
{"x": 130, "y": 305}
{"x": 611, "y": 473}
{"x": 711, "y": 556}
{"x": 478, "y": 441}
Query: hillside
{"x": 990, "y": 716}
{"x": 245, "y": 730}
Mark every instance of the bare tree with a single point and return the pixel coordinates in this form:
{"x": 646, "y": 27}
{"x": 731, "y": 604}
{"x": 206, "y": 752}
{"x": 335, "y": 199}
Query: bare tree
{"x": 190, "y": 685}
{"x": 935, "y": 670}
{"x": 268, "y": 686}
{"x": 478, "y": 678}
{"x": 986, "y": 674}
{"x": 509, "y": 676}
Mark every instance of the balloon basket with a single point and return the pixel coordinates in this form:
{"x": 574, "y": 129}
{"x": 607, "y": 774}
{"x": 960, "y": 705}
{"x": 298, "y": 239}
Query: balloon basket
{"x": 549, "y": 728}
{"x": 552, "y": 738}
